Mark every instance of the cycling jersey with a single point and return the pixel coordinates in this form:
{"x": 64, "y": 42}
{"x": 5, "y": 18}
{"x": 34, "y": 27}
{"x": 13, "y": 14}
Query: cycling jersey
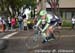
{"x": 50, "y": 20}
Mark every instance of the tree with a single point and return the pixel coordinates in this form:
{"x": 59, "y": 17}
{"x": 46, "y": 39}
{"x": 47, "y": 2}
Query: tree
{"x": 54, "y": 5}
{"x": 12, "y": 6}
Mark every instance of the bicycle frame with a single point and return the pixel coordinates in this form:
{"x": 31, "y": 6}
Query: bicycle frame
{"x": 38, "y": 32}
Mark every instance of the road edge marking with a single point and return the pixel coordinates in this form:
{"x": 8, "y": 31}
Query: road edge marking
{"x": 9, "y": 35}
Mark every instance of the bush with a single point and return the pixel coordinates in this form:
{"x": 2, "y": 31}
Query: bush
{"x": 66, "y": 23}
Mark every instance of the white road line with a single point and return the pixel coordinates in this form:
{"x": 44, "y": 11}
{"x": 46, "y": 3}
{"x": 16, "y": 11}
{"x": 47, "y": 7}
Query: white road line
{"x": 9, "y": 35}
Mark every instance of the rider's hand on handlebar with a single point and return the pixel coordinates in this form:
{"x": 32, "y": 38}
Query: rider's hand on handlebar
{"x": 42, "y": 31}
{"x": 35, "y": 27}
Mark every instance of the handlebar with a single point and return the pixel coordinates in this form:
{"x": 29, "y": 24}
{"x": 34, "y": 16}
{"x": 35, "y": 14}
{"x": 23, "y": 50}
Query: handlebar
{"x": 37, "y": 28}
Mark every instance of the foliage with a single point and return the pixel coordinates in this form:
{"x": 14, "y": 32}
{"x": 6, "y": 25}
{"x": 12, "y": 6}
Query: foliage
{"x": 16, "y": 4}
{"x": 67, "y": 23}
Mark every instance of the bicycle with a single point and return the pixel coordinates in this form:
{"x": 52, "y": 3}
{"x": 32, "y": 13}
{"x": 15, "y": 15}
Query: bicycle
{"x": 35, "y": 40}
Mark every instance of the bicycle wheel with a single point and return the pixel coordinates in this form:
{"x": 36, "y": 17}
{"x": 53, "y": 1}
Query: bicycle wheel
{"x": 31, "y": 43}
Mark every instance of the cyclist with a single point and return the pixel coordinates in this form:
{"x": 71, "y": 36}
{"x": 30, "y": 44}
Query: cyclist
{"x": 48, "y": 22}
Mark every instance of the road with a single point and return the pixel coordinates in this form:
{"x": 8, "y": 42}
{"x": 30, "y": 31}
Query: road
{"x": 21, "y": 42}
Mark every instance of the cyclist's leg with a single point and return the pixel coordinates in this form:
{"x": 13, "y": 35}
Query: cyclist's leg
{"x": 44, "y": 36}
{"x": 50, "y": 31}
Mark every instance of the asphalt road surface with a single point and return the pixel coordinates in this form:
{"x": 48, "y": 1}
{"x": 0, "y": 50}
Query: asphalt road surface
{"x": 2, "y": 34}
{"x": 21, "y": 42}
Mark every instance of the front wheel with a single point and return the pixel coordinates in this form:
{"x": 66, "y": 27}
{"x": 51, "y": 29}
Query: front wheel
{"x": 31, "y": 43}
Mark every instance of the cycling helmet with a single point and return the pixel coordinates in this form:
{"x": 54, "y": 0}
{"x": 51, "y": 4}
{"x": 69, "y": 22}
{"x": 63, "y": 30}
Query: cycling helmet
{"x": 43, "y": 12}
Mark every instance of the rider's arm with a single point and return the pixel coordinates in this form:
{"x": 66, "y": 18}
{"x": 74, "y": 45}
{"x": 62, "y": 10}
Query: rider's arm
{"x": 39, "y": 21}
{"x": 48, "y": 23}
